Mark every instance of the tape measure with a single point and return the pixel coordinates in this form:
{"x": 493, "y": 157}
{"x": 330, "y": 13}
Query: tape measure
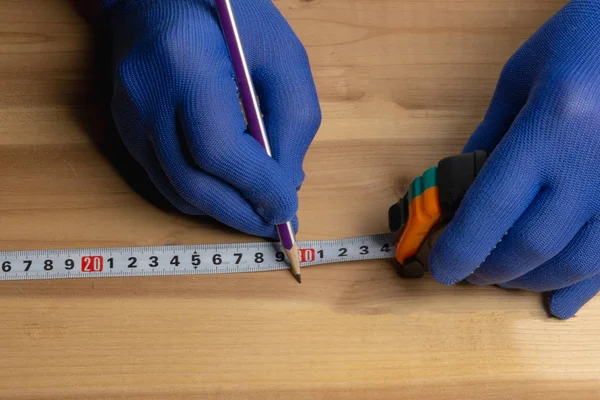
{"x": 185, "y": 260}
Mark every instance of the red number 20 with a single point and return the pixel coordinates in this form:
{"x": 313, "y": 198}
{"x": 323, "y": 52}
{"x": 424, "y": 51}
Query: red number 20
{"x": 92, "y": 264}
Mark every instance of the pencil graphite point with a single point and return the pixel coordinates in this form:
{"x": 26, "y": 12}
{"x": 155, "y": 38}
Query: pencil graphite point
{"x": 294, "y": 257}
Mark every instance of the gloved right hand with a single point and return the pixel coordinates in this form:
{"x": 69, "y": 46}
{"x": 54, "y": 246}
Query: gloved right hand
{"x": 531, "y": 219}
{"x": 176, "y": 108}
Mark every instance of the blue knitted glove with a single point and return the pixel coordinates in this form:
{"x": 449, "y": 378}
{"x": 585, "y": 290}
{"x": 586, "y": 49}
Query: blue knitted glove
{"x": 176, "y": 108}
{"x": 531, "y": 220}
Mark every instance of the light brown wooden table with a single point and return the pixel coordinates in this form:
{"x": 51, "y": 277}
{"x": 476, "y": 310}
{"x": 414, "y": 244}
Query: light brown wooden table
{"x": 402, "y": 84}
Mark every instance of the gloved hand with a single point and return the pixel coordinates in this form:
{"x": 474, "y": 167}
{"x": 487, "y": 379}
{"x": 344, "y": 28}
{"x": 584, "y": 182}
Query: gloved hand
{"x": 176, "y": 107}
{"x": 531, "y": 220}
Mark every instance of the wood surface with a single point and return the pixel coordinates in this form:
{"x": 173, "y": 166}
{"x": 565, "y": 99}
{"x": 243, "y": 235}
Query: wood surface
{"x": 402, "y": 84}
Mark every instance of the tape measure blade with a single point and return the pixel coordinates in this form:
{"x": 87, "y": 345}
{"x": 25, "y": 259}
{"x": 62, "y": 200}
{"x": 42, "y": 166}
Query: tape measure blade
{"x": 184, "y": 260}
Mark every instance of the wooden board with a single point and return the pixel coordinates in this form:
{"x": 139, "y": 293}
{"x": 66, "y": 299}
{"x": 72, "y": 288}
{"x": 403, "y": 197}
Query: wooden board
{"x": 402, "y": 84}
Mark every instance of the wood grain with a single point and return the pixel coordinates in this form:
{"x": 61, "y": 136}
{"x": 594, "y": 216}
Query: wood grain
{"x": 402, "y": 83}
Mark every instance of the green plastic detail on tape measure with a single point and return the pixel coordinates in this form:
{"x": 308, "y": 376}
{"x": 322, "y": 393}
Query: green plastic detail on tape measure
{"x": 430, "y": 178}
{"x": 416, "y": 189}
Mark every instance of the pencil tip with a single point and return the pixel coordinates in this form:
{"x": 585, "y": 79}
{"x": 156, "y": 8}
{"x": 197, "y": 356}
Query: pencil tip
{"x": 293, "y": 256}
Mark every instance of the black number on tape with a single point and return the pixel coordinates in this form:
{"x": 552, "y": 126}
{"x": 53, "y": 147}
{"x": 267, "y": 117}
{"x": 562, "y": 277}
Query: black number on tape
{"x": 48, "y": 265}
{"x": 6, "y": 266}
{"x": 154, "y": 261}
{"x": 27, "y": 264}
{"x": 69, "y": 264}
{"x": 217, "y": 259}
{"x": 343, "y": 252}
{"x": 239, "y": 258}
{"x": 132, "y": 262}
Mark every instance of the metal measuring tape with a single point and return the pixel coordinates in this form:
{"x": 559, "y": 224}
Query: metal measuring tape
{"x": 185, "y": 260}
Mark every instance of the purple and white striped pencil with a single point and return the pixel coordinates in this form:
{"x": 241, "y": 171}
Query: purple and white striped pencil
{"x": 253, "y": 114}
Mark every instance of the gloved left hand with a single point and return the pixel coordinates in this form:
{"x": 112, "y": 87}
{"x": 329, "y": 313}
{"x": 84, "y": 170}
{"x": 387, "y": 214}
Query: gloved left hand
{"x": 531, "y": 220}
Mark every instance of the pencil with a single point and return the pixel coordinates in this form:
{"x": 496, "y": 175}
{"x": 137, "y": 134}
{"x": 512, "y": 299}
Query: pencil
{"x": 253, "y": 115}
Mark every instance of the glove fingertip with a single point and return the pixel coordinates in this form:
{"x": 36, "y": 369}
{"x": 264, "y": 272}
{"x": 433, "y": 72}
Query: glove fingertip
{"x": 450, "y": 260}
{"x": 295, "y": 224}
{"x": 276, "y": 204}
{"x": 443, "y": 265}
{"x": 565, "y": 303}
{"x": 561, "y": 309}
{"x": 274, "y": 235}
